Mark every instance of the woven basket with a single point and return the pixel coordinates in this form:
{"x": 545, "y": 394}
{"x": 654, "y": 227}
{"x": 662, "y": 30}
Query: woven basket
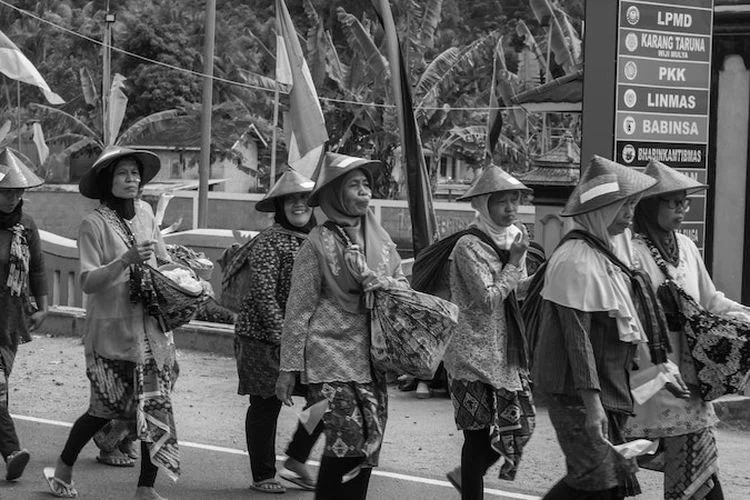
{"x": 173, "y": 306}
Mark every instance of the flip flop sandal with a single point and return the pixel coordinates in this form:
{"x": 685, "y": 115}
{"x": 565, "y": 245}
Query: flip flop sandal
{"x": 304, "y": 483}
{"x": 115, "y": 459}
{"x": 58, "y": 487}
{"x": 15, "y": 464}
{"x": 454, "y": 477}
{"x": 268, "y": 486}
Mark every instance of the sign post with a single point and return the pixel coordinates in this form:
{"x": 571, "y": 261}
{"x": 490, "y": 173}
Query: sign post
{"x": 662, "y": 91}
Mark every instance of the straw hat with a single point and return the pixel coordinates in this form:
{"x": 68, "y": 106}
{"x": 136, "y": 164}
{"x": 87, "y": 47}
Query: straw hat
{"x": 14, "y": 174}
{"x": 669, "y": 180}
{"x": 493, "y": 180}
{"x": 290, "y": 182}
{"x": 334, "y": 166}
{"x": 90, "y": 186}
{"x": 603, "y": 183}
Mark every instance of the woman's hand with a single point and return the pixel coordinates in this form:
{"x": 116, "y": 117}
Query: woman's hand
{"x": 519, "y": 246}
{"x": 676, "y": 386}
{"x": 37, "y": 319}
{"x": 597, "y": 425}
{"x": 140, "y": 252}
{"x": 374, "y": 282}
{"x": 285, "y": 386}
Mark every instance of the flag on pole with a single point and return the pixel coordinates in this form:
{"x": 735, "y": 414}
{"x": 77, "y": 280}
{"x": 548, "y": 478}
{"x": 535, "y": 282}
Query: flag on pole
{"x": 16, "y": 66}
{"x": 307, "y": 126}
{"x": 41, "y": 145}
{"x": 423, "y": 221}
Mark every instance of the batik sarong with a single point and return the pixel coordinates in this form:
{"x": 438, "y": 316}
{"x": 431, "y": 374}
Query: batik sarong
{"x": 509, "y": 416}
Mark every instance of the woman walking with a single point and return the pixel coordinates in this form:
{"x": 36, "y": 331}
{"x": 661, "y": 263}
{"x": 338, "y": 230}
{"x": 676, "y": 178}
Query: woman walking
{"x": 258, "y": 333}
{"x": 684, "y": 426}
{"x": 130, "y": 361}
{"x": 21, "y": 276}
{"x": 327, "y": 327}
{"x": 486, "y": 359}
{"x": 589, "y": 331}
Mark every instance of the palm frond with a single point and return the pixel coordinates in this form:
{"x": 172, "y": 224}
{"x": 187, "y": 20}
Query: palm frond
{"x": 446, "y": 65}
{"x": 139, "y": 127}
{"x": 430, "y": 20}
{"x": 361, "y": 40}
{"x": 95, "y": 136}
{"x": 90, "y": 95}
{"x": 523, "y": 31}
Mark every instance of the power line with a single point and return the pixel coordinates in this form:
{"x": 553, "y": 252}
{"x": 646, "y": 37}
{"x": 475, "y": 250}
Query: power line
{"x": 199, "y": 74}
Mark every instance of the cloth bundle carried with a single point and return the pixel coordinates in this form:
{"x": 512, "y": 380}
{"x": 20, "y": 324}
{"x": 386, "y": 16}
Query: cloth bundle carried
{"x": 719, "y": 346}
{"x": 171, "y": 304}
{"x": 718, "y": 361}
{"x": 412, "y": 331}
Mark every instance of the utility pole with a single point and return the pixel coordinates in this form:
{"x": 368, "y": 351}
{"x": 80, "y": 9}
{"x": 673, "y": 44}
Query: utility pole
{"x": 208, "y": 80}
{"x": 109, "y": 19}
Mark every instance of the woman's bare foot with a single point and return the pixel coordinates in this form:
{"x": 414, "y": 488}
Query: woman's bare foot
{"x": 299, "y": 468}
{"x": 63, "y": 471}
{"x": 146, "y": 493}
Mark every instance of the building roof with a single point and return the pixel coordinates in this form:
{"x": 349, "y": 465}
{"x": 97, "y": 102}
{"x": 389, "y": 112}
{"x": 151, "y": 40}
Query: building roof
{"x": 559, "y": 166}
{"x": 564, "y": 94}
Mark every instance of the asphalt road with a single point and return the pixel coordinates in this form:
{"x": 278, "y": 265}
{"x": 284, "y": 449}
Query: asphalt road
{"x": 48, "y": 391}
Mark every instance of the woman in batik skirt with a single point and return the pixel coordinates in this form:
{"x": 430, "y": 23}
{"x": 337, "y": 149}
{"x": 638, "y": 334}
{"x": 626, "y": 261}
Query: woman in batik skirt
{"x": 486, "y": 359}
{"x": 327, "y": 329}
{"x": 258, "y": 332}
{"x": 21, "y": 277}
{"x": 684, "y": 427}
{"x": 130, "y": 361}
{"x": 590, "y": 329}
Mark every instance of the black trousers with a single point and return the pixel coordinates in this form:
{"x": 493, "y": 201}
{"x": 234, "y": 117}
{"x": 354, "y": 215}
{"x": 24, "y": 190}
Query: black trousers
{"x": 330, "y": 479}
{"x": 8, "y": 436}
{"x": 84, "y": 429}
{"x": 260, "y": 434}
{"x": 476, "y": 457}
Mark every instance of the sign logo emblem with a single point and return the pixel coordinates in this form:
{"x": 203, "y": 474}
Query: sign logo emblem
{"x": 633, "y": 15}
{"x": 631, "y": 42}
{"x": 631, "y": 70}
{"x": 628, "y": 125}
{"x": 630, "y": 98}
{"x": 628, "y": 153}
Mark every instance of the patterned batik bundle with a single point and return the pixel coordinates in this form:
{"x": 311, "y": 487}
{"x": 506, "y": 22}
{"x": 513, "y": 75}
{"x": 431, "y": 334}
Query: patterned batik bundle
{"x": 414, "y": 331}
{"x": 719, "y": 357}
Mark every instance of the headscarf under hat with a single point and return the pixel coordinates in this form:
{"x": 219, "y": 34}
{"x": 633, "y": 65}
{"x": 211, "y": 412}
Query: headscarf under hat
{"x": 646, "y": 220}
{"x": 281, "y": 219}
{"x": 503, "y": 236}
{"x": 365, "y": 231}
{"x": 582, "y": 278}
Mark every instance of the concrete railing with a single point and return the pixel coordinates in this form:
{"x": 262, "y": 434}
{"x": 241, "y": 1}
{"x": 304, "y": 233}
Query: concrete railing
{"x": 68, "y": 302}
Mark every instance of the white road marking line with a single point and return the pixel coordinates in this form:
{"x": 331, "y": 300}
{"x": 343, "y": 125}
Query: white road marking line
{"x": 234, "y": 451}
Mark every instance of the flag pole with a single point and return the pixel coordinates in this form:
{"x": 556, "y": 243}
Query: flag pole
{"x": 272, "y": 174}
{"x": 206, "y": 107}
{"x": 18, "y": 112}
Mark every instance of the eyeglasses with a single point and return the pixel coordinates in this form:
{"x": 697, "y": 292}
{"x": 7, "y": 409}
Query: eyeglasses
{"x": 684, "y": 204}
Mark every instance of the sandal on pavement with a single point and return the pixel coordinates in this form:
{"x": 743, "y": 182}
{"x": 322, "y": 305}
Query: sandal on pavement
{"x": 58, "y": 487}
{"x": 454, "y": 477}
{"x": 305, "y": 483}
{"x": 115, "y": 459}
{"x": 15, "y": 464}
{"x": 268, "y": 486}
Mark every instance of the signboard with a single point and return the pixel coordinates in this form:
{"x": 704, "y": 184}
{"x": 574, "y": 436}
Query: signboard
{"x": 663, "y": 83}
